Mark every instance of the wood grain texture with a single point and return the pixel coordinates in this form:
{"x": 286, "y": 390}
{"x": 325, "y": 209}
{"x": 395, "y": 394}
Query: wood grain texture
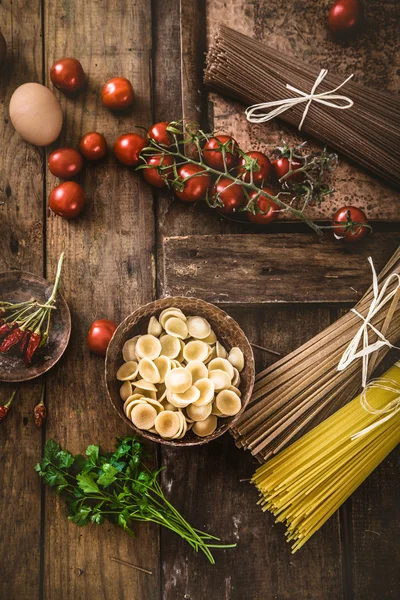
{"x": 261, "y": 269}
{"x": 21, "y": 247}
{"x": 301, "y": 32}
{"x": 206, "y": 485}
{"x": 109, "y": 271}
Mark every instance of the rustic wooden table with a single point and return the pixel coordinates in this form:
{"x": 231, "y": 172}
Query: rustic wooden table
{"x": 131, "y": 245}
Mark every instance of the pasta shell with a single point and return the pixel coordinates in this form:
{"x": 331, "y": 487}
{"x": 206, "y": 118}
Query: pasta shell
{"x": 206, "y": 427}
{"x": 210, "y": 339}
{"x": 215, "y": 411}
{"x": 223, "y": 365}
{"x": 228, "y": 403}
{"x": 177, "y": 328}
{"x": 167, "y": 313}
{"x": 236, "y": 358}
{"x": 154, "y": 327}
{"x": 130, "y": 405}
{"x": 143, "y": 416}
{"x": 163, "y": 365}
{"x": 220, "y": 379}
{"x": 128, "y": 371}
{"x": 170, "y": 346}
{"x": 149, "y": 393}
{"x": 125, "y": 390}
{"x": 178, "y": 380}
{"x": 148, "y": 346}
{"x": 198, "y": 327}
{"x": 131, "y": 398}
{"x": 236, "y": 377}
{"x": 157, "y": 405}
{"x": 199, "y": 413}
{"x": 142, "y": 384}
{"x": 212, "y": 353}
{"x": 180, "y": 357}
{"x": 167, "y": 424}
{"x": 148, "y": 371}
{"x": 129, "y": 349}
{"x": 198, "y": 370}
{"x": 220, "y": 351}
{"x": 232, "y": 388}
{"x": 188, "y": 397}
{"x": 196, "y": 350}
{"x": 161, "y": 392}
{"x": 182, "y": 428}
{"x": 168, "y": 406}
{"x": 206, "y": 389}
{"x": 175, "y": 364}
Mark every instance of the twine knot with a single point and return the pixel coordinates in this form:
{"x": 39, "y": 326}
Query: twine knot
{"x": 255, "y": 112}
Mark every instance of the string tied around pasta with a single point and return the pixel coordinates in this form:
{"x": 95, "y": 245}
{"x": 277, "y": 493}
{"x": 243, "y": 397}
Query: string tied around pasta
{"x": 380, "y": 298}
{"x": 255, "y": 112}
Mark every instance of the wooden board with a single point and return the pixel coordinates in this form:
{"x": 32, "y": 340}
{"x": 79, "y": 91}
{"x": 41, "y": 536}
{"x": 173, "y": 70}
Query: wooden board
{"x": 301, "y": 32}
{"x": 261, "y": 269}
{"x": 108, "y": 272}
{"x": 21, "y": 247}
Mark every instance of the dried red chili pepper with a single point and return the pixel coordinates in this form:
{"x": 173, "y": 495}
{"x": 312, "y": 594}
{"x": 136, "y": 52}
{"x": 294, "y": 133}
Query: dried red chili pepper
{"x": 12, "y": 339}
{"x": 5, "y": 409}
{"x": 24, "y": 342}
{"x": 7, "y": 328}
{"x": 31, "y": 348}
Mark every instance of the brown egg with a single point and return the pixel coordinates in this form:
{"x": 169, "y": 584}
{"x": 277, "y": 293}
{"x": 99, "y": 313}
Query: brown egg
{"x": 3, "y": 49}
{"x": 36, "y": 114}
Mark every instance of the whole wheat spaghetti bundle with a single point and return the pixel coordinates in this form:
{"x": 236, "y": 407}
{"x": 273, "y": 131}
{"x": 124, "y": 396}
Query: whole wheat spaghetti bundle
{"x": 305, "y": 484}
{"x": 302, "y": 389}
{"x": 368, "y": 133}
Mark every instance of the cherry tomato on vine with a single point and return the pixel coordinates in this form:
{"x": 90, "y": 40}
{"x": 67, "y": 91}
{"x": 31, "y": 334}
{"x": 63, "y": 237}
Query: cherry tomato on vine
{"x": 158, "y": 132}
{"x": 263, "y": 164}
{"x": 152, "y": 175}
{"x": 196, "y": 187}
{"x": 282, "y": 166}
{"x": 65, "y": 163}
{"x": 67, "y": 199}
{"x": 67, "y": 75}
{"x": 93, "y": 145}
{"x": 213, "y": 156}
{"x": 350, "y": 224}
{"x": 99, "y": 336}
{"x": 264, "y": 204}
{"x": 345, "y": 16}
{"x": 127, "y": 148}
{"x": 117, "y": 93}
{"x": 231, "y": 195}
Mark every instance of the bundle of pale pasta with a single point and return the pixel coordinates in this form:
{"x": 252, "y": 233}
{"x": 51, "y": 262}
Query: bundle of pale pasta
{"x": 302, "y": 389}
{"x": 306, "y": 483}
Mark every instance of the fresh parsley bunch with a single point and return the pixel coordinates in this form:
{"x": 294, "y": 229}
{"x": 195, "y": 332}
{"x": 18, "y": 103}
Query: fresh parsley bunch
{"x": 116, "y": 486}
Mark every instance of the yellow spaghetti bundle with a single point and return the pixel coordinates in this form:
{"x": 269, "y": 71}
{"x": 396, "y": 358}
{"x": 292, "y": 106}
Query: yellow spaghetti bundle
{"x": 307, "y": 482}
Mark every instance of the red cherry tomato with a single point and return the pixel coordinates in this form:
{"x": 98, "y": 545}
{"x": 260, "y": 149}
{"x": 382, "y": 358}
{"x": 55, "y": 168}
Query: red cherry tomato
{"x": 345, "y": 16}
{"x": 93, "y": 146}
{"x": 65, "y": 163}
{"x": 152, "y": 175}
{"x": 195, "y": 188}
{"x": 263, "y": 165}
{"x": 117, "y": 93}
{"x": 67, "y": 199}
{"x": 267, "y": 207}
{"x": 212, "y": 152}
{"x": 350, "y": 224}
{"x": 127, "y": 148}
{"x": 99, "y": 336}
{"x": 68, "y": 75}
{"x": 282, "y": 166}
{"x": 231, "y": 195}
{"x": 158, "y": 132}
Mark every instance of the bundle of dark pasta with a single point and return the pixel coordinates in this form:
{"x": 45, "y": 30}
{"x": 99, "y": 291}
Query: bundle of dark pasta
{"x": 302, "y": 389}
{"x": 368, "y": 133}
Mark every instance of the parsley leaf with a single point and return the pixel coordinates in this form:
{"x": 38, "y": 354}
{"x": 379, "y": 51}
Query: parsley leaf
{"x": 108, "y": 475}
{"x": 87, "y": 483}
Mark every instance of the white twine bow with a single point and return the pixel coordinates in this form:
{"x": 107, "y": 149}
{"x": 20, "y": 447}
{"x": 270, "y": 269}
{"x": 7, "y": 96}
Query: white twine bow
{"x": 254, "y": 113}
{"x": 380, "y": 298}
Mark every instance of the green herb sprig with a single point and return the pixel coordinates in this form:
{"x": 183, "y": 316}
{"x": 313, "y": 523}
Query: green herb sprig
{"x": 116, "y": 486}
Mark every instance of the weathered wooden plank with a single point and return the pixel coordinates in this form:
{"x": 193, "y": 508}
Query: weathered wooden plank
{"x": 259, "y": 269}
{"x": 301, "y": 32}
{"x": 207, "y": 484}
{"x": 108, "y": 272}
{"x": 21, "y": 247}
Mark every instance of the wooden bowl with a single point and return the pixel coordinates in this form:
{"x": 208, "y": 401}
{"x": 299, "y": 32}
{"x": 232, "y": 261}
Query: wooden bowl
{"x": 19, "y": 286}
{"x": 228, "y": 333}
